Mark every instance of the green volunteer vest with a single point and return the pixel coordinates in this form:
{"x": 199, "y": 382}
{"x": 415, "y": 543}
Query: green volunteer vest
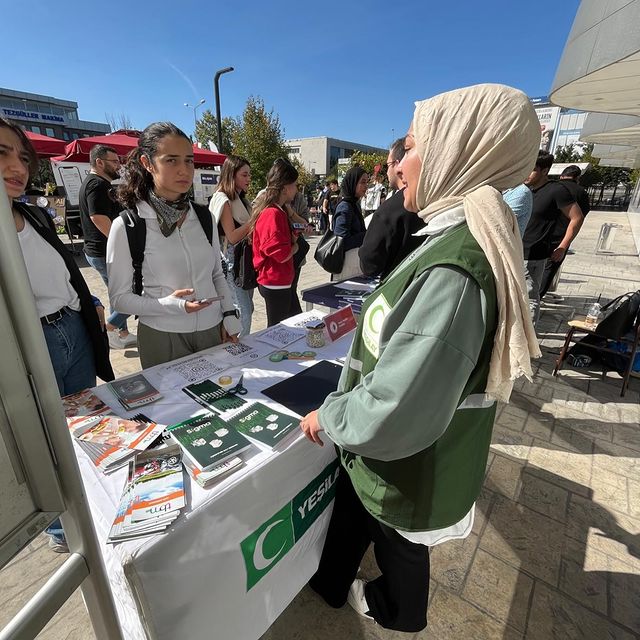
{"x": 436, "y": 487}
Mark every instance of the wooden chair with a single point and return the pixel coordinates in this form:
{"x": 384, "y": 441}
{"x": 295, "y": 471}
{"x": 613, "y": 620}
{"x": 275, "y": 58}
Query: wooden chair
{"x": 578, "y": 325}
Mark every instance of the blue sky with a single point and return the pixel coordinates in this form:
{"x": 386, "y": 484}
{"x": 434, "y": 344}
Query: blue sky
{"x": 349, "y": 70}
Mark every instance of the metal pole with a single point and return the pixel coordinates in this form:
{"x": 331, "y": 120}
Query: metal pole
{"x": 216, "y": 90}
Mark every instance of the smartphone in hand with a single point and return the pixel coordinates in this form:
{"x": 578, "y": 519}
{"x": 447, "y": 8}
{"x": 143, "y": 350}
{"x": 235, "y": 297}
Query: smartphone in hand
{"x": 205, "y": 300}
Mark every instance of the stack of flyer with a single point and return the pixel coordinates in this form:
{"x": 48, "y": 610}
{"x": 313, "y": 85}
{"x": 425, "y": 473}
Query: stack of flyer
{"x": 110, "y": 441}
{"x": 266, "y": 427}
{"x": 135, "y": 391}
{"x": 213, "y": 397}
{"x": 153, "y": 495}
{"x": 208, "y": 442}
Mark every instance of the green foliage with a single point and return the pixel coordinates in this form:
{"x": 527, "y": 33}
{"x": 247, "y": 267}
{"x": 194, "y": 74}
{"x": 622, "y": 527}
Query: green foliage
{"x": 568, "y": 153}
{"x": 306, "y": 179}
{"x": 44, "y": 175}
{"x": 368, "y": 161}
{"x": 207, "y": 130}
{"x": 259, "y": 138}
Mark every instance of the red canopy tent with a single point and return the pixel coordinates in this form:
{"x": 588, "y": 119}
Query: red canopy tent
{"x": 45, "y": 146}
{"x": 124, "y": 141}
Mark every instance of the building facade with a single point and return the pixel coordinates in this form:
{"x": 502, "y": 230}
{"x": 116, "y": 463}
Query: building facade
{"x": 47, "y": 115}
{"x": 320, "y": 155}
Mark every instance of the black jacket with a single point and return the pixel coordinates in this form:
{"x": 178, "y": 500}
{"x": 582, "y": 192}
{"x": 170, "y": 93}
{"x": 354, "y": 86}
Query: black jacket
{"x": 44, "y": 227}
{"x": 389, "y": 238}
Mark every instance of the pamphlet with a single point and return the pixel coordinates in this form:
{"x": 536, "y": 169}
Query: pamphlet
{"x": 213, "y": 397}
{"x": 208, "y": 440}
{"x": 135, "y": 391}
{"x": 265, "y": 426}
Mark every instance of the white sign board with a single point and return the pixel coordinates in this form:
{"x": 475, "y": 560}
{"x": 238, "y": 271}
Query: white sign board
{"x": 548, "y": 118}
{"x": 70, "y": 175}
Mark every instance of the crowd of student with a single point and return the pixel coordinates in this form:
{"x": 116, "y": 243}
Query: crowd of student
{"x": 449, "y": 327}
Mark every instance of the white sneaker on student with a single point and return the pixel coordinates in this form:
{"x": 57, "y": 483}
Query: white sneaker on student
{"x": 130, "y": 340}
{"x": 357, "y": 599}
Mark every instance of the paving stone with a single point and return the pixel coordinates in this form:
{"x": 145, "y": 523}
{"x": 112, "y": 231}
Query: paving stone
{"x": 543, "y": 497}
{"x": 499, "y": 589}
{"x": 504, "y": 475}
{"x": 452, "y": 617}
{"x": 554, "y": 616}
{"x": 624, "y": 594}
{"x": 524, "y": 539}
{"x": 450, "y": 562}
{"x": 589, "y": 587}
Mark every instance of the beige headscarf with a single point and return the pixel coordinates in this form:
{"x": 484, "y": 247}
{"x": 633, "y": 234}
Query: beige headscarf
{"x": 474, "y": 143}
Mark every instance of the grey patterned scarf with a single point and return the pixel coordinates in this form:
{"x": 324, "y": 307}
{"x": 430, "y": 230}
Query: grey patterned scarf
{"x": 168, "y": 213}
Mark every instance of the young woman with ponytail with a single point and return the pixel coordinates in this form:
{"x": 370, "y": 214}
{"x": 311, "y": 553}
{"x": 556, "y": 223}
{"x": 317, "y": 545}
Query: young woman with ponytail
{"x": 275, "y": 243}
{"x": 180, "y": 271}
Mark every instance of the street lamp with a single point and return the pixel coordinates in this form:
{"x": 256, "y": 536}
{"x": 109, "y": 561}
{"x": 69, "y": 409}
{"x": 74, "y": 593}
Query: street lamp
{"x": 216, "y": 79}
{"x": 195, "y": 117}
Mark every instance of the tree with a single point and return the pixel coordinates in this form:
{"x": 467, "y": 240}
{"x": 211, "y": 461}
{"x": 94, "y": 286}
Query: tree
{"x": 306, "y": 179}
{"x": 368, "y": 161}
{"x": 207, "y": 131}
{"x": 259, "y": 138}
{"x": 119, "y": 121}
{"x": 568, "y": 153}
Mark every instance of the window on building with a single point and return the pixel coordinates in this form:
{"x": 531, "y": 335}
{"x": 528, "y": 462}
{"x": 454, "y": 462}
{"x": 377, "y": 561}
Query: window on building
{"x": 49, "y": 131}
{"x": 35, "y": 129}
{"x": 65, "y": 135}
{"x": 294, "y": 150}
{"x": 74, "y": 135}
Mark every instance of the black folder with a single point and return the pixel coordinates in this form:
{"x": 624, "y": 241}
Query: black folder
{"x": 306, "y": 390}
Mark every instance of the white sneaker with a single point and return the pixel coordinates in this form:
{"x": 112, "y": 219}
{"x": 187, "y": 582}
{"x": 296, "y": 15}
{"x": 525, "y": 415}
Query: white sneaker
{"x": 357, "y": 599}
{"x": 130, "y": 340}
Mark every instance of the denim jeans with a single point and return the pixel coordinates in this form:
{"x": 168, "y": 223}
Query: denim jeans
{"x": 71, "y": 353}
{"x": 116, "y": 319}
{"x": 534, "y": 275}
{"x": 242, "y": 300}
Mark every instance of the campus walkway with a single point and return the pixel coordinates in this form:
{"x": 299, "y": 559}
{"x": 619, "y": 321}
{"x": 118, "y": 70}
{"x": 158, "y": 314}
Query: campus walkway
{"x": 555, "y": 550}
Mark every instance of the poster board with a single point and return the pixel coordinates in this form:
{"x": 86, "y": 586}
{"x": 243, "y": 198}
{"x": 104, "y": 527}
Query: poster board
{"x": 70, "y": 175}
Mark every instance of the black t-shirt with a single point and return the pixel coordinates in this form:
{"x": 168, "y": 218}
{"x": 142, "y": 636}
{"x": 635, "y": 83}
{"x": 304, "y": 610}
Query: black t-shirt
{"x": 334, "y": 199}
{"x": 582, "y": 198}
{"x": 96, "y": 198}
{"x": 548, "y": 202}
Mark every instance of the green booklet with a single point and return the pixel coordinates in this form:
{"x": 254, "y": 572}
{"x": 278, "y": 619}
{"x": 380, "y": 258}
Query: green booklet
{"x": 213, "y": 397}
{"x": 265, "y": 426}
{"x": 207, "y": 440}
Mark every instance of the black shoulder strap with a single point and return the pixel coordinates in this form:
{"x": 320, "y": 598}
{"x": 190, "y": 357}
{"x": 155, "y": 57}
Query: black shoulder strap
{"x": 38, "y": 215}
{"x": 206, "y": 220}
{"x": 136, "y": 229}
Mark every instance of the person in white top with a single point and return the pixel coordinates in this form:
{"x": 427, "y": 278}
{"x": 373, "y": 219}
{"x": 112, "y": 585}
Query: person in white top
{"x": 72, "y": 322}
{"x": 231, "y": 212}
{"x": 185, "y": 304}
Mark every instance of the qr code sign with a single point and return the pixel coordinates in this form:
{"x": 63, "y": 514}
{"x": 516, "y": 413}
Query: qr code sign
{"x": 196, "y": 370}
{"x": 237, "y": 349}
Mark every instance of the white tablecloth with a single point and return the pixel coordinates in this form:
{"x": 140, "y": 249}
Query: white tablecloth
{"x": 193, "y": 581}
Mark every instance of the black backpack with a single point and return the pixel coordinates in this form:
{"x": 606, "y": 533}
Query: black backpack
{"x": 136, "y": 229}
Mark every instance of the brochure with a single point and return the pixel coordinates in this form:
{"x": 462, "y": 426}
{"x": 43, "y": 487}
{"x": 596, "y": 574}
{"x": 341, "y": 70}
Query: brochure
{"x": 135, "y": 391}
{"x": 208, "y": 440}
{"x": 265, "y": 426}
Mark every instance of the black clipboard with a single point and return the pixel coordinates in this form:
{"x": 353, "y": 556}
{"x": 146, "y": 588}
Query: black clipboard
{"x": 306, "y": 390}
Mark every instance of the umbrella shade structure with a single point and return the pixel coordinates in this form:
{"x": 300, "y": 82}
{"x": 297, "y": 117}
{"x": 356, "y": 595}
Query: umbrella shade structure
{"x": 123, "y": 142}
{"x": 45, "y": 146}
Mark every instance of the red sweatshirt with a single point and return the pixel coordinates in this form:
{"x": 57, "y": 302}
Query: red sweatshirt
{"x": 271, "y": 245}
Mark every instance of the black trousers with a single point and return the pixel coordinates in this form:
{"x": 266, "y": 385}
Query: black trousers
{"x": 398, "y": 598}
{"x": 280, "y": 303}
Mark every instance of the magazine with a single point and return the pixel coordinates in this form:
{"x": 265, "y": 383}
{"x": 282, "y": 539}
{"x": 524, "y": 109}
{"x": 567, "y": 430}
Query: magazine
{"x": 83, "y": 408}
{"x": 153, "y": 495}
{"x": 135, "y": 391}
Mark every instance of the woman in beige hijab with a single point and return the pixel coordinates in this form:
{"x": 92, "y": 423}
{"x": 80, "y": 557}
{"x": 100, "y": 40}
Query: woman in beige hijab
{"x": 440, "y": 340}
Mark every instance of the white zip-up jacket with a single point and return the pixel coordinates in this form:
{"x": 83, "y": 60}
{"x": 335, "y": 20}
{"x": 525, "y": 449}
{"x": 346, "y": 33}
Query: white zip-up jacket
{"x": 184, "y": 260}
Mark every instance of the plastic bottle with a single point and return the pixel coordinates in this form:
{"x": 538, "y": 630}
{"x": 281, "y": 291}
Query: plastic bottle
{"x": 593, "y": 315}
